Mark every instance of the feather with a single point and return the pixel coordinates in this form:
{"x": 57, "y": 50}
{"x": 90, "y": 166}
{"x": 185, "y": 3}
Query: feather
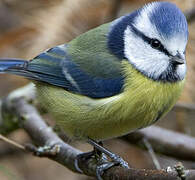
{"x": 55, "y": 67}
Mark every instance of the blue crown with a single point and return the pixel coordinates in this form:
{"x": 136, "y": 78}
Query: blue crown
{"x": 169, "y": 19}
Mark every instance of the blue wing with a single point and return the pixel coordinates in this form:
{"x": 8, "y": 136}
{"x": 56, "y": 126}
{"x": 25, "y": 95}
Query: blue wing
{"x": 57, "y": 68}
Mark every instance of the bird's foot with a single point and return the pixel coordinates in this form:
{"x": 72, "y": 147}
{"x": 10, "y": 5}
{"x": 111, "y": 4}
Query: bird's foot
{"x": 100, "y": 169}
{"x": 117, "y": 160}
{"x": 102, "y": 165}
{"x": 101, "y": 154}
{"x": 81, "y": 156}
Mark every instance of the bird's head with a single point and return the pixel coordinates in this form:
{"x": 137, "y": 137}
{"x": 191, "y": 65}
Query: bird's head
{"x": 153, "y": 39}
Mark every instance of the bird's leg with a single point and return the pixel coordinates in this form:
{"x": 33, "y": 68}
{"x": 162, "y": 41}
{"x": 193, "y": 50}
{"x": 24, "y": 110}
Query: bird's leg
{"x": 101, "y": 154}
{"x": 96, "y": 153}
{"x": 115, "y": 158}
{"x": 104, "y": 165}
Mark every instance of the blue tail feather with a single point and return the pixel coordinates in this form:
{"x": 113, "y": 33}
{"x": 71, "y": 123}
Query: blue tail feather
{"x": 6, "y": 64}
{"x": 35, "y": 71}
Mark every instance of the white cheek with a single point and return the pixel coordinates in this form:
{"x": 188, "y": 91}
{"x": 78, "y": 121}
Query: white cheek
{"x": 181, "y": 71}
{"x": 143, "y": 56}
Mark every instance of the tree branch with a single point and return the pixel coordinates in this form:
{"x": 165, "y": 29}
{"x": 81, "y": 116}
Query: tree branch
{"x": 166, "y": 142}
{"x": 184, "y": 107}
{"x": 16, "y": 110}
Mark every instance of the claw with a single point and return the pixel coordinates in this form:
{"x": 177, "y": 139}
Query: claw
{"x": 119, "y": 160}
{"x": 76, "y": 165}
{"x": 86, "y": 155}
{"x": 100, "y": 169}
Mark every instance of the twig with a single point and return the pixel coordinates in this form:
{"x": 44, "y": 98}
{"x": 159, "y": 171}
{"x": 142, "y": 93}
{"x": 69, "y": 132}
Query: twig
{"x": 184, "y": 107}
{"x": 8, "y": 149}
{"x": 180, "y": 170}
{"x": 12, "y": 142}
{"x": 152, "y": 154}
{"x": 166, "y": 142}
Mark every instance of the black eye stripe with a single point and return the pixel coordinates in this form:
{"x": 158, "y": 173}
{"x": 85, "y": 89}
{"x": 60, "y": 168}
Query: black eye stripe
{"x": 148, "y": 40}
{"x": 160, "y": 47}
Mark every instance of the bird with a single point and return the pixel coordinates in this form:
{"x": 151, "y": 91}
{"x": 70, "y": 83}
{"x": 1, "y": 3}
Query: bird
{"x": 114, "y": 79}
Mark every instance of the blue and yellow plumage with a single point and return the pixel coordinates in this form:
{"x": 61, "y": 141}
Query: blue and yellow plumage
{"x": 83, "y": 117}
{"x": 113, "y": 79}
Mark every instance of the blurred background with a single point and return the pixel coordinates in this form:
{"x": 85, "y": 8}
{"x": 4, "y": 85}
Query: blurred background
{"x": 28, "y": 28}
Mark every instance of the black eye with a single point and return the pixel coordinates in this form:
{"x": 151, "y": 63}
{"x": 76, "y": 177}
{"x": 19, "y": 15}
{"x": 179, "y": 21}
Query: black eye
{"x": 155, "y": 43}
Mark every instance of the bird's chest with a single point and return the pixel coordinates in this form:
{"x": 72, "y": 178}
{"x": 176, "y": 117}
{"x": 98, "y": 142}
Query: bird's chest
{"x": 144, "y": 101}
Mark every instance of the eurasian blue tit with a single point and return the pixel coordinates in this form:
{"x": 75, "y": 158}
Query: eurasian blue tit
{"x": 114, "y": 79}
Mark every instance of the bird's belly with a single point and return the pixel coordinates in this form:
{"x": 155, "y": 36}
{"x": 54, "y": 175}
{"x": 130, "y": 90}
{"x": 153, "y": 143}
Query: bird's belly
{"x": 82, "y": 117}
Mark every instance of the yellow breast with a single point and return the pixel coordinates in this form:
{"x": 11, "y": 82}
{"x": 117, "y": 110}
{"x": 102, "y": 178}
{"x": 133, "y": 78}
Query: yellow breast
{"x": 148, "y": 100}
{"x": 142, "y": 102}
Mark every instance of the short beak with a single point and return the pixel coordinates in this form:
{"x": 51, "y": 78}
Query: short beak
{"x": 178, "y": 59}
